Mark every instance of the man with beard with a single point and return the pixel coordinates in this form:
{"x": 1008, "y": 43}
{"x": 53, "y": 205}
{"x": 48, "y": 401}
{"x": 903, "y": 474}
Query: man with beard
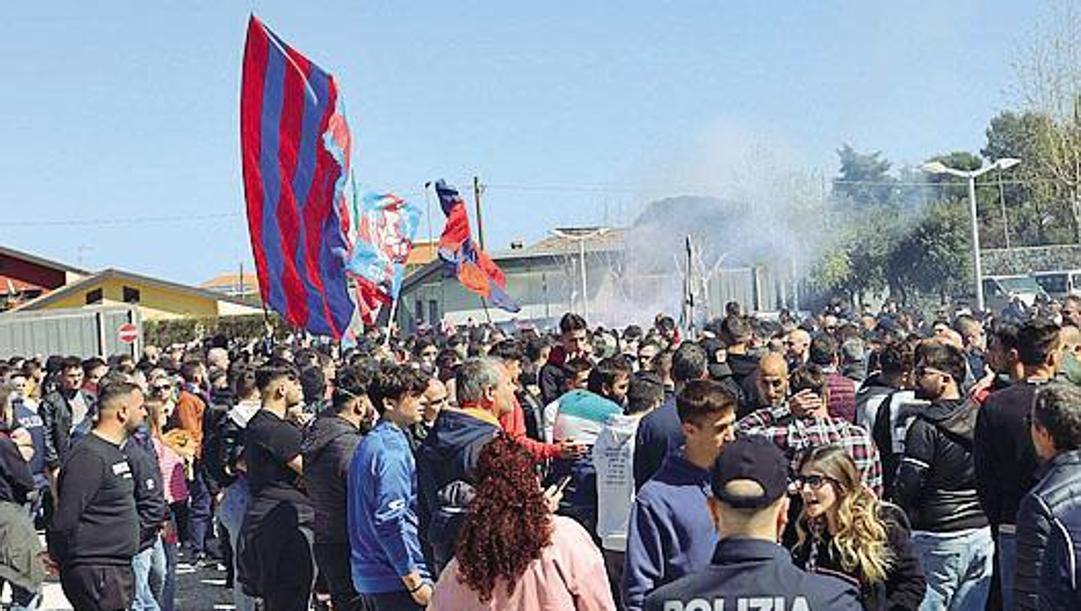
{"x": 275, "y": 545}
{"x": 95, "y": 531}
{"x": 802, "y": 423}
{"x": 1005, "y": 459}
{"x": 936, "y": 485}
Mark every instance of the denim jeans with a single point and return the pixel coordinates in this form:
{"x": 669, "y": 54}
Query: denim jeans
{"x": 168, "y": 587}
{"x": 958, "y": 567}
{"x": 1007, "y": 564}
{"x": 231, "y": 516}
{"x": 199, "y": 516}
{"x": 144, "y": 595}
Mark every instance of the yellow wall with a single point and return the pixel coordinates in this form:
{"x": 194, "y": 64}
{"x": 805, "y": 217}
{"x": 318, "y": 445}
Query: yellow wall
{"x": 154, "y": 302}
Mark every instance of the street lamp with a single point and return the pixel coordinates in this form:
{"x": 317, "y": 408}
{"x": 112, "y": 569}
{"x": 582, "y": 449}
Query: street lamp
{"x": 937, "y": 167}
{"x": 581, "y": 237}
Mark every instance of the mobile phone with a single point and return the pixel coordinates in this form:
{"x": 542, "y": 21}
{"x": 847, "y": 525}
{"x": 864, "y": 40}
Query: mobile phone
{"x": 562, "y": 483}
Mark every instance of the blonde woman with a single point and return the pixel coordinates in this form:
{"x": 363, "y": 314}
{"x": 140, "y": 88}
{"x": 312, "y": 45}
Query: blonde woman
{"x": 844, "y": 530}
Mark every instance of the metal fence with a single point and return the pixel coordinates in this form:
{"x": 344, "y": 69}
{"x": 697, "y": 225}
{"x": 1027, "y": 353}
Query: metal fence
{"x": 82, "y": 332}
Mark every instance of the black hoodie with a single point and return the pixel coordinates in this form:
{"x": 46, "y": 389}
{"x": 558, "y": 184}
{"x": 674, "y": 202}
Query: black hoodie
{"x": 328, "y": 449}
{"x": 444, "y": 462}
{"x": 744, "y": 369}
{"x": 936, "y": 481}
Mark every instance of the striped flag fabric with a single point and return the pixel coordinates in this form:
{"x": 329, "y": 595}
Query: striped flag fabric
{"x": 463, "y": 258}
{"x": 294, "y": 143}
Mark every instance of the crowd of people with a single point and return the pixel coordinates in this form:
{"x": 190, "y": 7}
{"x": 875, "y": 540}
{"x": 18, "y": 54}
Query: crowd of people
{"x": 843, "y": 461}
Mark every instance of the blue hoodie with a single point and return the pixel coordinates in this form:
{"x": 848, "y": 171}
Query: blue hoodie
{"x": 671, "y": 533}
{"x": 445, "y": 461}
{"x": 382, "y": 512}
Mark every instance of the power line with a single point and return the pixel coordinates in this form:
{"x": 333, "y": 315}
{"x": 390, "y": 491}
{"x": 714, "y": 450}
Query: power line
{"x": 595, "y": 189}
{"x": 144, "y": 220}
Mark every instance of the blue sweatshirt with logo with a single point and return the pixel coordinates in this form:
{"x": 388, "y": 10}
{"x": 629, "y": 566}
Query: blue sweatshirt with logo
{"x": 382, "y": 512}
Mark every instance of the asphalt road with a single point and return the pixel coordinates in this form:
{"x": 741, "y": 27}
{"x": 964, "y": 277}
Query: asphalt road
{"x": 197, "y": 590}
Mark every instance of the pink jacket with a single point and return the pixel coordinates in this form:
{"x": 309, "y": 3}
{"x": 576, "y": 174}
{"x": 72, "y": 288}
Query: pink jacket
{"x": 172, "y": 473}
{"x": 569, "y": 575}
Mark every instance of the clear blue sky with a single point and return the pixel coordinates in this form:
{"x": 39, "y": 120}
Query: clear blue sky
{"x": 128, "y": 110}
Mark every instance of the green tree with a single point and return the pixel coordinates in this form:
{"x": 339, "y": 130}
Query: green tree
{"x": 864, "y": 178}
{"x": 933, "y": 257}
{"x": 1042, "y": 192}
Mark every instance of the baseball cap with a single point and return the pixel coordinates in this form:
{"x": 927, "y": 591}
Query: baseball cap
{"x": 752, "y": 458}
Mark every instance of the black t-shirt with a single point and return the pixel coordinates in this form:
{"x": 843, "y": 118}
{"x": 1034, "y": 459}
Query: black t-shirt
{"x": 270, "y": 443}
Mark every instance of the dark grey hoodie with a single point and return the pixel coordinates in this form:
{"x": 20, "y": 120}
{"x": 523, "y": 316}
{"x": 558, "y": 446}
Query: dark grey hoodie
{"x": 328, "y": 448}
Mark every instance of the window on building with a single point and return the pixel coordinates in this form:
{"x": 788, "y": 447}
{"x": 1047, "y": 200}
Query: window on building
{"x": 131, "y": 295}
{"x": 93, "y": 297}
{"x": 418, "y": 311}
{"x": 433, "y": 311}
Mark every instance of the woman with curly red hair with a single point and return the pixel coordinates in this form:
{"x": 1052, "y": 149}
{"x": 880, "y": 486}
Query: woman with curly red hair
{"x": 513, "y": 553}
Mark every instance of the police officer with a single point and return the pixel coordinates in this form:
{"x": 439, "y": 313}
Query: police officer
{"x": 749, "y": 569}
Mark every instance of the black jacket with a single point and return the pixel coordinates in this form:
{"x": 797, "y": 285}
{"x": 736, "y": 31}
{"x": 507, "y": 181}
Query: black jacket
{"x": 149, "y": 495}
{"x": 328, "y": 448}
{"x": 936, "y": 481}
{"x": 745, "y": 573}
{"x": 1005, "y": 458}
{"x": 95, "y": 520}
{"x": 444, "y": 489}
{"x": 55, "y": 412}
{"x": 1049, "y": 539}
{"x": 16, "y": 480}
{"x": 551, "y": 381}
{"x": 905, "y": 584}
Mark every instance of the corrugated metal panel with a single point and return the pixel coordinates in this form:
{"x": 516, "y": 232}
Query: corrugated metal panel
{"x": 68, "y": 332}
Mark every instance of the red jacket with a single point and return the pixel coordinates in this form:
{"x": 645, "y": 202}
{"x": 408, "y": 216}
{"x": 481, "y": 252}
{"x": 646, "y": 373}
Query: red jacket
{"x": 513, "y": 424}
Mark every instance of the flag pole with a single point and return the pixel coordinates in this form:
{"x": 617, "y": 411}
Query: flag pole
{"x": 487, "y": 315}
{"x": 390, "y": 321}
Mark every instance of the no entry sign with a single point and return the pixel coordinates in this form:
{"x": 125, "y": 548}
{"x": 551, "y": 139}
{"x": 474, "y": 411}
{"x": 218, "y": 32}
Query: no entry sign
{"x": 128, "y": 333}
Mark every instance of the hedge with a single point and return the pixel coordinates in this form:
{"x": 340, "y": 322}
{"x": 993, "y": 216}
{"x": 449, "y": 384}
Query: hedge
{"x": 183, "y": 330}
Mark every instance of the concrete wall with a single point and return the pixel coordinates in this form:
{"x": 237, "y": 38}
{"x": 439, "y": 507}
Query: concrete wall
{"x": 1003, "y": 262}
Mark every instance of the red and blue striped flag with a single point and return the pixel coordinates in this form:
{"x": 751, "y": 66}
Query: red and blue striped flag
{"x": 463, "y": 258}
{"x": 295, "y": 147}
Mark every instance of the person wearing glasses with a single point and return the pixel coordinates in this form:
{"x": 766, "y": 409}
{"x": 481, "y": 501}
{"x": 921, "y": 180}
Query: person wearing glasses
{"x": 936, "y": 485}
{"x": 845, "y": 531}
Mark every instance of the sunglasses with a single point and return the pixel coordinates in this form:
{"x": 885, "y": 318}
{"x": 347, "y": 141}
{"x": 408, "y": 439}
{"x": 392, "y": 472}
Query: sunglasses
{"x": 922, "y": 371}
{"x": 815, "y": 481}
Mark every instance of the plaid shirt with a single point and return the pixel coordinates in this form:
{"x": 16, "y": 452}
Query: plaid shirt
{"x": 797, "y": 436}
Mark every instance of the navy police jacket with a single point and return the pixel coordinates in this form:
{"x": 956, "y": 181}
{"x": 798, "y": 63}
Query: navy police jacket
{"x": 753, "y": 575}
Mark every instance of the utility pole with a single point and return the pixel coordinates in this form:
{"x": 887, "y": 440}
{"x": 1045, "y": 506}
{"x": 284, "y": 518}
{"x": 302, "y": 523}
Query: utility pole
{"x": 688, "y": 291}
{"x": 480, "y": 218}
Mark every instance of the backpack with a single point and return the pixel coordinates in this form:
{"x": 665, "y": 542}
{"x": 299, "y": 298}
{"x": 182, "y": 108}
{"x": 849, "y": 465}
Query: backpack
{"x": 223, "y": 449}
{"x": 889, "y": 434}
